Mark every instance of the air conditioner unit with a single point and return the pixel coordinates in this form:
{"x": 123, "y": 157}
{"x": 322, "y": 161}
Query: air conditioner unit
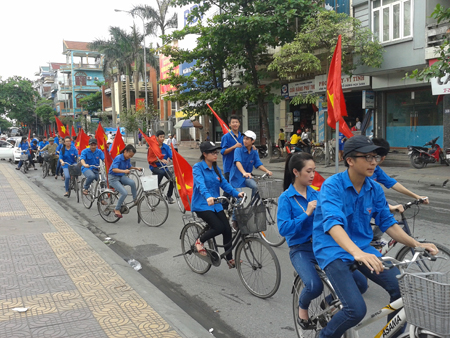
{"x": 96, "y": 78}
{"x": 123, "y": 78}
{"x": 89, "y": 77}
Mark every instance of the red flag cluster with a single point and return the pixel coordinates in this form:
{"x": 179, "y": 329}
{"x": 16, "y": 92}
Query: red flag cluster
{"x": 82, "y": 141}
{"x": 62, "y": 130}
{"x": 184, "y": 177}
{"x": 101, "y": 142}
{"x": 117, "y": 145}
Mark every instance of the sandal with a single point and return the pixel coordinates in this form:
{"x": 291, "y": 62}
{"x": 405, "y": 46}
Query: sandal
{"x": 202, "y": 250}
{"x": 305, "y": 324}
{"x": 56, "y": 177}
{"x": 85, "y": 192}
{"x": 117, "y": 215}
{"x": 232, "y": 264}
{"x": 66, "y": 194}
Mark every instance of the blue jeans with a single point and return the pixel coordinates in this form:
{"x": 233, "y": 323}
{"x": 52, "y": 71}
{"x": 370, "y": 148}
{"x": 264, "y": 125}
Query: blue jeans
{"x": 118, "y": 182}
{"x": 66, "y": 178}
{"x": 58, "y": 169}
{"x": 90, "y": 175}
{"x": 354, "y": 307}
{"x": 30, "y": 159}
{"x": 163, "y": 173}
{"x": 250, "y": 183}
{"x": 304, "y": 261}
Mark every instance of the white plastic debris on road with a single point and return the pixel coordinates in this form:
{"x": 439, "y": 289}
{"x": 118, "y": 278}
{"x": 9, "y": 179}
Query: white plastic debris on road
{"x": 20, "y": 309}
{"x": 135, "y": 264}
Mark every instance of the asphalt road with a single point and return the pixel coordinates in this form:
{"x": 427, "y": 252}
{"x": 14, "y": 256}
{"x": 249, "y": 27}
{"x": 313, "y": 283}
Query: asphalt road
{"x": 218, "y": 299}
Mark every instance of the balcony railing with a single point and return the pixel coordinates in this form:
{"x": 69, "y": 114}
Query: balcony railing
{"x": 436, "y": 34}
{"x": 78, "y": 66}
{"x": 79, "y": 88}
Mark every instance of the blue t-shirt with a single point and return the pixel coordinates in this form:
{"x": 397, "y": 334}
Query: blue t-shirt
{"x": 293, "y": 223}
{"x": 228, "y": 141}
{"x": 167, "y": 153}
{"x": 340, "y": 204}
{"x": 42, "y": 144}
{"x": 56, "y": 139}
{"x": 33, "y": 146}
{"x": 381, "y": 177}
{"x": 24, "y": 147}
{"x": 248, "y": 161}
{"x": 119, "y": 163}
{"x": 91, "y": 158}
{"x": 70, "y": 156}
{"x": 59, "y": 147}
{"x": 207, "y": 184}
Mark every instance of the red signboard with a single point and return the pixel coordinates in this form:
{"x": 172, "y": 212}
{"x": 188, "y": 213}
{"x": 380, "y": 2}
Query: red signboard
{"x": 140, "y": 104}
{"x": 164, "y": 65}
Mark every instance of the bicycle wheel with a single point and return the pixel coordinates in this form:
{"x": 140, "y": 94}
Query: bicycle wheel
{"x": 439, "y": 265}
{"x": 178, "y": 199}
{"x": 417, "y": 332}
{"x": 189, "y": 235}
{"x": 153, "y": 213}
{"x": 89, "y": 198}
{"x": 76, "y": 188}
{"x": 105, "y": 204}
{"x": 318, "y": 155}
{"x": 260, "y": 270}
{"x": 271, "y": 234}
{"x": 44, "y": 169}
{"x": 314, "y": 309}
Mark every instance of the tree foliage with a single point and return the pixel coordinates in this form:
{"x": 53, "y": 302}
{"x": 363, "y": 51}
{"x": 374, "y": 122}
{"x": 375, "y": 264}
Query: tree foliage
{"x": 17, "y": 99}
{"x": 232, "y": 51}
{"x": 314, "y": 46}
{"x": 442, "y": 66}
{"x": 45, "y": 112}
{"x": 4, "y": 124}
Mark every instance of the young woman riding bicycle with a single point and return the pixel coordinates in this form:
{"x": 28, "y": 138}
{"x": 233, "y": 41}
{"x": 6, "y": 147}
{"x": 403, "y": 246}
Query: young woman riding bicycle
{"x": 120, "y": 167}
{"x": 68, "y": 156}
{"x": 295, "y": 216}
{"x": 208, "y": 180}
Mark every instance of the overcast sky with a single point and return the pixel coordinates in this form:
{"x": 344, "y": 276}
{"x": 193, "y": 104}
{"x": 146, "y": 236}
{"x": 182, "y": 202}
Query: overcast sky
{"x": 32, "y": 32}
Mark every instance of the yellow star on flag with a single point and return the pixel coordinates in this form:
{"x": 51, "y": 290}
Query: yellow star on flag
{"x": 102, "y": 147}
{"x": 78, "y": 144}
{"x": 118, "y": 150}
{"x": 179, "y": 186}
{"x": 331, "y": 96}
{"x": 63, "y": 129}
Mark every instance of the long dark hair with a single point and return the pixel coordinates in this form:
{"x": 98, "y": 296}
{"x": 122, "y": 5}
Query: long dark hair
{"x": 214, "y": 165}
{"x": 64, "y": 147}
{"x": 24, "y": 138}
{"x": 129, "y": 147}
{"x": 294, "y": 161}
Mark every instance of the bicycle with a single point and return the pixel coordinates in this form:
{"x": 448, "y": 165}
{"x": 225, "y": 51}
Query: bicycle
{"x": 259, "y": 270}
{"x": 45, "y": 163}
{"x": 74, "y": 172}
{"x": 318, "y": 152}
{"x": 96, "y": 187}
{"x": 163, "y": 186}
{"x": 147, "y": 201}
{"x": 25, "y": 162}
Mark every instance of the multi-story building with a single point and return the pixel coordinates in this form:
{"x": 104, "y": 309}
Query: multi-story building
{"x": 83, "y": 67}
{"x": 59, "y": 99}
{"x": 43, "y": 83}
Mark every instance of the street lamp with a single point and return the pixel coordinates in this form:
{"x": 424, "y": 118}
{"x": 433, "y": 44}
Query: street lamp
{"x": 145, "y": 56}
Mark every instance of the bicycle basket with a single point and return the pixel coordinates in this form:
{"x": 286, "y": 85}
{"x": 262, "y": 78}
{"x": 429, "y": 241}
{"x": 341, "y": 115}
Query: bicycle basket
{"x": 271, "y": 188}
{"x": 251, "y": 219}
{"x": 46, "y": 157}
{"x": 426, "y": 298}
{"x": 23, "y": 157}
{"x": 75, "y": 169}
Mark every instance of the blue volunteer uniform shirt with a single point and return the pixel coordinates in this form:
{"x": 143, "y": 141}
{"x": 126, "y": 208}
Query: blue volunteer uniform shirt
{"x": 119, "y": 163}
{"x": 35, "y": 139}
{"x": 293, "y": 223}
{"x": 228, "y": 141}
{"x": 56, "y": 139}
{"x": 70, "y": 156}
{"x": 167, "y": 153}
{"x": 42, "y": 144}
{"x": 24, "y": 147}
{"x": 207, "y": 184}
{"x": 34, "y": 147}
{"x": 248, "y": 161}
{"x": 381, "y": 177}
{"x": 339, "y": 204}
{"x": 91, "y": 158}
{"x": 59, "y": 147}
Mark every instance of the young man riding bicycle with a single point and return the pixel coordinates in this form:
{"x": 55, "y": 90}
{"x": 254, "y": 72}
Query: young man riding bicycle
{"x": 90, "y": 156}
{"x": 342, "y": 233}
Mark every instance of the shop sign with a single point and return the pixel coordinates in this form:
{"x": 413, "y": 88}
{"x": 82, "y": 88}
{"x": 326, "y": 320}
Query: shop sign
{"x": 285, "y": 91}
{"x": 348, "y": 82}
{"x": 289, "y": 129}
{"x": 321, "y": 122}
{"x": 368, "y": 99}
{"x": 301, "y": 88}
{"x": 440, "y": 86}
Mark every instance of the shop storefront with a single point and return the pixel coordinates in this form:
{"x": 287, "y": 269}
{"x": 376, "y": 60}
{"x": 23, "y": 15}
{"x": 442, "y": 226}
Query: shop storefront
{"x": 413, "y": 117}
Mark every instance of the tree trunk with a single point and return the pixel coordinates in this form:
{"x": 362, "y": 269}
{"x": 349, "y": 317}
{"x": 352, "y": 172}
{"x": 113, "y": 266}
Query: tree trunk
{"x": 113, "y": 102}
{"x": 265, "y": 122}
{"x": 136, "y": 86}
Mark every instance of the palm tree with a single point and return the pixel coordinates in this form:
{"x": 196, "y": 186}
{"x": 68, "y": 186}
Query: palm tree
{"x": 159, "y": 20}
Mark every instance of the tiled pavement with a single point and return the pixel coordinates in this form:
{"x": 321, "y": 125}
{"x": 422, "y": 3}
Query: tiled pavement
{"x": 69, "y": 290}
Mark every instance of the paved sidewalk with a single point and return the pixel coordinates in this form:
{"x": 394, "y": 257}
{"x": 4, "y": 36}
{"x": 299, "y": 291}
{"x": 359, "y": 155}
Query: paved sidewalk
{"x": 66, "y": 285}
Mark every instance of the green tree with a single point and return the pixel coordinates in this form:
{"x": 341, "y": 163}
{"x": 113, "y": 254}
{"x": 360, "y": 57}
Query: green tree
{"x": 45, "y": 112}
{"x": 243, "y": 31}
{"x": 442, "y": 66}
{"x": 17, "y": 99}
{"x": 313, "y": 48}
{"x": 4, "y": 124}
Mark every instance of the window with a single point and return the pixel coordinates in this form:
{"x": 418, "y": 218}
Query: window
{"x": 391, "y": 19}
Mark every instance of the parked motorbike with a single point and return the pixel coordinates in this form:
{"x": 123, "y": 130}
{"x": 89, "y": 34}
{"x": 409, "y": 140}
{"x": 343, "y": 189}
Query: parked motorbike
{"x": 264, "y": 151}
{"x": 421, "y": 156}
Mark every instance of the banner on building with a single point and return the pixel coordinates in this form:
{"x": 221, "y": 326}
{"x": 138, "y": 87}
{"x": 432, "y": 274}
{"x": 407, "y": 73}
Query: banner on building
{"x": 140, "y": 104}
{"x": 165, "y": 64}
{"x": 348, "y": 82}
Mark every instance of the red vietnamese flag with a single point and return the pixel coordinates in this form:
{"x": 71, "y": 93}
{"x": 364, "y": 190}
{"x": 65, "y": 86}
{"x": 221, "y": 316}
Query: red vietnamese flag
{"x": 118, "y": 145}
{"x": 317, "y": 181}
{"x": 184, "y": 177}
{"x": 29, "y": 135}
{"x": 101, "y": 137}
{"x": 63, "y": 132}
{"x": 68, "y": 131}
{"x": 335, "y": 96}
{"x": 82, "y": 141}
{"x": 225, "y": 128}
{"x": 45, "y": 133}
{"x": 73, "y": 131}
{"x": 154, "y": 151}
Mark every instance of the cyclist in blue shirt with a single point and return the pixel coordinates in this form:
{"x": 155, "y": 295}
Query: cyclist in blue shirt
{"x": 56, "y": 138}
{"x": 157, "y": 167}
{"x": 42, "y": 143}
{"x": 90, "y": 156}
{"x": 342, "y": 233}
{"x": 245, "y": 158}
{"x": 121, "y": 167}
{"x": 25, "y": 149}
{"x": 67, "y": 156}
{"x": 33, "y": 150}
{"x": 58, "y": 165}
{"x": 208, "y": 180}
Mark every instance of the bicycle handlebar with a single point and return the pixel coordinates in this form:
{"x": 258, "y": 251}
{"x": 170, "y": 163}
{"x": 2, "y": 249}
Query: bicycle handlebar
{"x": 219, "y": 199}
{"x": 415, "y": 202}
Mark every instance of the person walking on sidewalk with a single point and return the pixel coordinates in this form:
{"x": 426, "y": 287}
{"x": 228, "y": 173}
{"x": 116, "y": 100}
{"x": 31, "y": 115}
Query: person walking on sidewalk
{"x": 157, "y": 167}
{"x": 51, "y": 148}
{"x": 175, "y": 142}
{"x": 90, "y": 156}
{"x": 68, "y": 156}
{"x": 121, "y": 167}
{"x": 208, "y": 180}
{"x": 140, "y": 139}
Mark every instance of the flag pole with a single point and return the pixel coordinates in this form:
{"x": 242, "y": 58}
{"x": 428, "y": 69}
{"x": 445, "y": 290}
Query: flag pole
{"x": 337, "y": 148}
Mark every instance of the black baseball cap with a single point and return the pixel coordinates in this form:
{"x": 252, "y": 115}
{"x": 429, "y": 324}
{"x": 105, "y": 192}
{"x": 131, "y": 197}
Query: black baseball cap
{"x": 92, "y": 141}
{"x": 361, "y": 144}
{"x": 207, "y": 147}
